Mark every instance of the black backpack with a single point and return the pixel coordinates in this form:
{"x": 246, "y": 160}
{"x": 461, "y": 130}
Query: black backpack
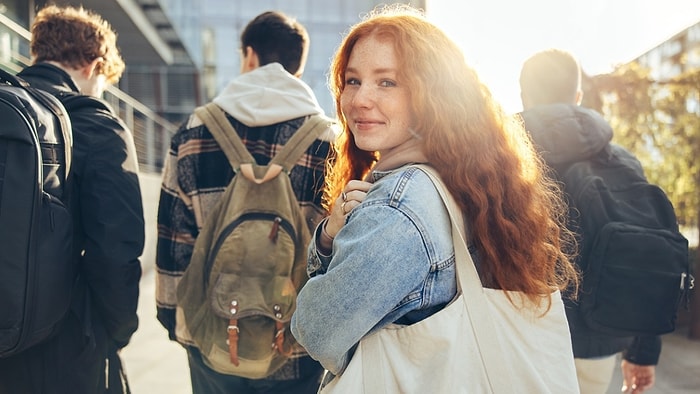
{"x": 634, "y": 260}
{"x": 37, "y": 272}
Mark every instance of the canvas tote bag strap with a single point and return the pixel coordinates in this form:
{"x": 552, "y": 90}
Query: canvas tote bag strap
{"x": 481, "y": 318}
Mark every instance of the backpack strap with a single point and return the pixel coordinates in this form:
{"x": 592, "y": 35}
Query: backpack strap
{"x": 300, "y": 142}
{"x": 64, "y": 121}
{"x": 54, "y": 105}
{"x": 225, "y": 135}
{"x": 78, "y": 102}
{"x": 241, "y": 160}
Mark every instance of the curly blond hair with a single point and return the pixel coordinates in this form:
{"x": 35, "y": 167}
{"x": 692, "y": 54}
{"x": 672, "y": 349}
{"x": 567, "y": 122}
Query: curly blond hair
{"x": 74, "y": 37}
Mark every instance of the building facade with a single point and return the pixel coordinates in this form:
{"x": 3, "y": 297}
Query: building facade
{"x": 145, "y": 38}
{"x": 211, "y": 32}
{"x": 179, "y": 54}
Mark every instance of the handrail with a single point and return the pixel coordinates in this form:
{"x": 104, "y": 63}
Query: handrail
{"x": 151, "y": 131}
{"x": 12, "y": 25}
{"x": 118, "y": 93}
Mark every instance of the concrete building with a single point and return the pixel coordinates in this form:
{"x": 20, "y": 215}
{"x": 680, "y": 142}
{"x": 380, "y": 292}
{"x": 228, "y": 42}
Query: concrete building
{"x": 145, "y": 38}
{"x": 210, "y": 31}
{"x": 180, "y": 53}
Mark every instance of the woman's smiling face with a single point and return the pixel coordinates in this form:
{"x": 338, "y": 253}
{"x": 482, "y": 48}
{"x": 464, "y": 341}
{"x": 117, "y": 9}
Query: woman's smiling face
{"x": 374, "y": 102}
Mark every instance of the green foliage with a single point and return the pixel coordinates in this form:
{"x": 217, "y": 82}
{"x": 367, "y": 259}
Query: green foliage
{"x": 658, "y": 121}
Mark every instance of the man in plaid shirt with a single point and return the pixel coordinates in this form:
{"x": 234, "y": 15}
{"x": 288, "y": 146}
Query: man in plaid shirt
{"x": 266, "y": 104}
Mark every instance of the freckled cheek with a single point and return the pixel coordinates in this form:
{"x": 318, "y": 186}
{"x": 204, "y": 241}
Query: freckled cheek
{"x": 345, "y": 102}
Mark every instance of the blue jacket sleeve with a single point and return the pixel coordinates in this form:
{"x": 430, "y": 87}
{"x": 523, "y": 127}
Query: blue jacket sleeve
{"x": 364, "y": 282}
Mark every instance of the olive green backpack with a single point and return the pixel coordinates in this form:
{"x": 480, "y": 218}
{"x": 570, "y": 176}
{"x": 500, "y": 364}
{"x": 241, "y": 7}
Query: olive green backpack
{"x": 237, "y": 296}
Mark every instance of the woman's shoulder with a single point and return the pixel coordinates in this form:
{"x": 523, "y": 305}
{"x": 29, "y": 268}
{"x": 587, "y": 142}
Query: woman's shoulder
{"x": 401, "y": 178}
{"x": 407, "y": 186}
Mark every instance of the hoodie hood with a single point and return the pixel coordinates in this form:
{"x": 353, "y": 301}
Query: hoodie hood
{"x": 565, "y": 133}
{"x": 267, "y": 95}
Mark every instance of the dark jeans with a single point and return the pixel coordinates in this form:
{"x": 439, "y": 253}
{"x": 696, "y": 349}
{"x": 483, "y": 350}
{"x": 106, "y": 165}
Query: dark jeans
{"x": 207, "y": 381}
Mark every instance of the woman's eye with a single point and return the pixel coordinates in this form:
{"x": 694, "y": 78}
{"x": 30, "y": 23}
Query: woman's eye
{"x": 387, "y": 83}
{"x": 352, "y": 81}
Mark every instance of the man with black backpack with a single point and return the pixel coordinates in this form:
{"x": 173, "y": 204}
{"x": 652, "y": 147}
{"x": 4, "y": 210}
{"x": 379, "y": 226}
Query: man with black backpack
{"x": 632, "y": 257}
{"x": 226, "y": 283}
{"x": 74, "y": 58}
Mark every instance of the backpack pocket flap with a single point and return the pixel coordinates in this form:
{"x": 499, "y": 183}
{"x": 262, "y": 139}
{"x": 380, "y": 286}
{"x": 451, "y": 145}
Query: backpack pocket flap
{"x": 635, "y": 281}
{"x": 236, "y": 297}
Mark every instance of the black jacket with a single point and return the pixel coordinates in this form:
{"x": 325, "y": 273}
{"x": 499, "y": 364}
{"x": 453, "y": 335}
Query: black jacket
{"x": 565, "y": 133}
{"x": 105, "y": 200}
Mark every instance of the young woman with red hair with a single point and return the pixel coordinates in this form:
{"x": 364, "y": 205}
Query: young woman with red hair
{"x": 404, "y": 94}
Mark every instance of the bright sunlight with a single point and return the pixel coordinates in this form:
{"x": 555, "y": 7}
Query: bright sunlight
{"x": 498, "y": 35}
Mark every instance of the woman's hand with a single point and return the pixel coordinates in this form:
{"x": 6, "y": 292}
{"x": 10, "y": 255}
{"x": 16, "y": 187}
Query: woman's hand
{"x": 353, "y": 194}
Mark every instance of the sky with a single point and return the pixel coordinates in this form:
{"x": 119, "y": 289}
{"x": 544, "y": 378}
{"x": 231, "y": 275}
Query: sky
{"x": 498, "y": 35}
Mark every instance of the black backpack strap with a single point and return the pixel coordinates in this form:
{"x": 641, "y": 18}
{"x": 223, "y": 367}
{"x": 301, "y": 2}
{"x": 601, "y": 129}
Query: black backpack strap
{"x": 13, "y": 79}
{"x": 3, "y": 165}
{"x": 54, "y": 105}
{"x": 76, "y": 102}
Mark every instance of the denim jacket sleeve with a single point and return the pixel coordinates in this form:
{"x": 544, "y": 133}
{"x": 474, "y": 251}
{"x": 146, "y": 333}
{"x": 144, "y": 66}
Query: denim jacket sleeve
{"x": 377, "y": 273}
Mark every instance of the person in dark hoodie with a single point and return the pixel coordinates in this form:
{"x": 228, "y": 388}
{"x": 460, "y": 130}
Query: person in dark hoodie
{"x": 74, "y": 53}
{"x": 564, "y": 132}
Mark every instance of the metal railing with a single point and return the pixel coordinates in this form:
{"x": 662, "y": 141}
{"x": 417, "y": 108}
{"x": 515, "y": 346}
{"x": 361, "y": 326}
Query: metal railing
{"x": 151, "y": 131}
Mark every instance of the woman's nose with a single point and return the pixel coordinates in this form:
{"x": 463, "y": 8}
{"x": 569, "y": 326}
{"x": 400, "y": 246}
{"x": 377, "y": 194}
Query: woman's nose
{"x": 363, "y": 97}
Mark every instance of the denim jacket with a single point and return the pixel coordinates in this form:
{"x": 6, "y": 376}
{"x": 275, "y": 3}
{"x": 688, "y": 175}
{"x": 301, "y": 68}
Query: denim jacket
{"x": 392, "y": 262}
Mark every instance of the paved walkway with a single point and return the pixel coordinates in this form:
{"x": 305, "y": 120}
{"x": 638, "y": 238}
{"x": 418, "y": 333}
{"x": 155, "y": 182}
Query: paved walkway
{"x": 156, "y": 365}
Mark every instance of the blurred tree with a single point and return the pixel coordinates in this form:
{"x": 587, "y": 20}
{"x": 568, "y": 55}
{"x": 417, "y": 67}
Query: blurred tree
{"x": 681, "y": 105}
{"x": 660, "y": 123}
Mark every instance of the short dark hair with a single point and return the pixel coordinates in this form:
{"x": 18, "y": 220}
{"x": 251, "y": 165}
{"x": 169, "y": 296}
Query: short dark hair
{"x": 275, "y": 37}
{"x": 550, "y": 76}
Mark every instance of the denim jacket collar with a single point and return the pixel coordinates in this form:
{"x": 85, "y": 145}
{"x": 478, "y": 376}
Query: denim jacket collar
{"x": 374, "y": 176}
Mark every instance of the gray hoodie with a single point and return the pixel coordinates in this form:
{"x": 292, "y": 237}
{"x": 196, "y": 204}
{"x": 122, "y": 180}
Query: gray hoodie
{"x": 267, "y": 95}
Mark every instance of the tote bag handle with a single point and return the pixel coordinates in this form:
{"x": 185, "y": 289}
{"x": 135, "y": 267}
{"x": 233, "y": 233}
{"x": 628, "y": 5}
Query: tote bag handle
{"x": 480, "y": 317}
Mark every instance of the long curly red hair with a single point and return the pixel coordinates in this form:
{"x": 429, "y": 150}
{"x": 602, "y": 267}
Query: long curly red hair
{"x": 515, "y": 214}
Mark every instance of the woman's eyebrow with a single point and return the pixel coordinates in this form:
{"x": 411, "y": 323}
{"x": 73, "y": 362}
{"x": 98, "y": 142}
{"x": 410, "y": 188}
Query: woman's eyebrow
{"x": 383, "y": 70}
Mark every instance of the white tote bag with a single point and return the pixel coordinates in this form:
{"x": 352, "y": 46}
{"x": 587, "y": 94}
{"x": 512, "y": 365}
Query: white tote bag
{"x": 479, "y": 343}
